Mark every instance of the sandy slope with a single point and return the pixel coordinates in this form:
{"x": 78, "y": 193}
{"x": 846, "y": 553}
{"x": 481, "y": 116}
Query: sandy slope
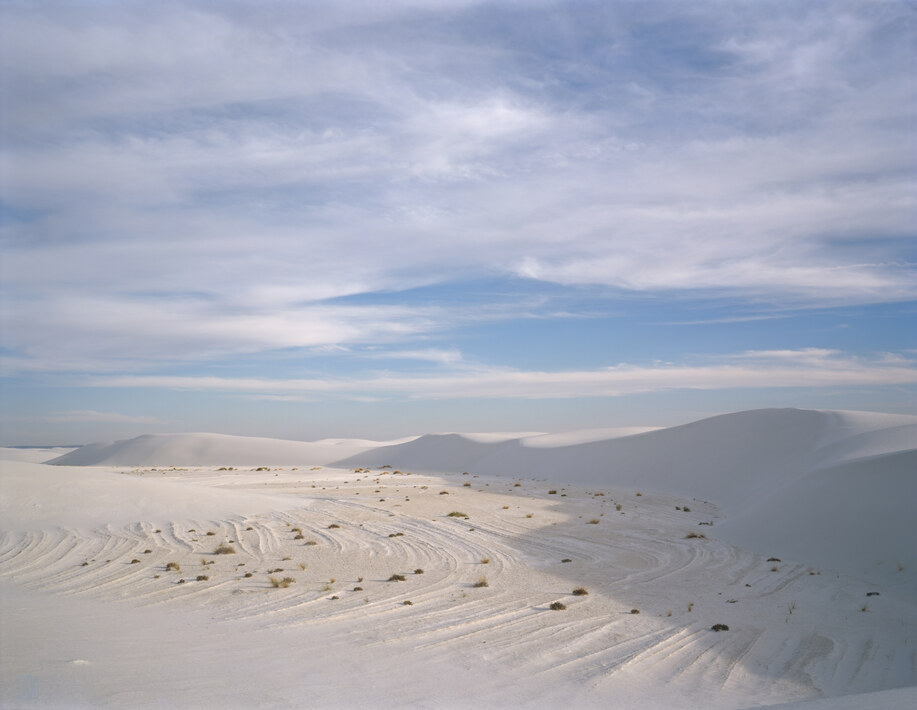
{"x": 85, "y": 626}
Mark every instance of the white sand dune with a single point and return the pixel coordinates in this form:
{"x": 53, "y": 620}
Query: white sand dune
{"x": 32, "y": 455}
{"x": 818, "y": 473}
{"x": 85, "y": 625}
{"x": 214, "y": 450}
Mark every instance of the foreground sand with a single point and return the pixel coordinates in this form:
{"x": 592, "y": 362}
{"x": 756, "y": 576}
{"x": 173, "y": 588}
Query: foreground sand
{"x": 92, "y": 617}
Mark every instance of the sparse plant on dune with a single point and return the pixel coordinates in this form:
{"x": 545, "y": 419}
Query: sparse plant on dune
{"x": 457, "y": 514}
{"x": 202, "y": 578}
{"x": 594, "y": 521}
{"x": 634, "y": 611}
{"x": 397, "y": 578}
{"x": 281, "y": 583}
{"x": 482, "y": 582}
{"x": 173, "y": 566}
{"x": 485, "y": 560}
{"x": 558, "y": 606}
{"x": 225, "y": 549}
{"x": 580, "y": 592}
{"x": 693, "y": 535}
{"x": 719, "y": 627}
{"x": 418, "y": 571}
{"x": 407, "y": 602}
{"x": 333, "y": 526}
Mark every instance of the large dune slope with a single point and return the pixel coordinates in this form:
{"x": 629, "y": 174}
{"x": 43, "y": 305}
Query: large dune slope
{"x": 832, "y": 489}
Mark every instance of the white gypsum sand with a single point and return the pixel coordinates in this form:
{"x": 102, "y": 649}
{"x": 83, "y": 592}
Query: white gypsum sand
{"x": 84, "y": 625}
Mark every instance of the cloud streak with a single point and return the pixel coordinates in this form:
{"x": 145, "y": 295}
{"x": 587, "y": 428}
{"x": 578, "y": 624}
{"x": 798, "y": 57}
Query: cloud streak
{"x": 775, "y": 369}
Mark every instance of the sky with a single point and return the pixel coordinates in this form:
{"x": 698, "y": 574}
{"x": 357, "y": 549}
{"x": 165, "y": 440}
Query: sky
{"x": 364, "y": 219}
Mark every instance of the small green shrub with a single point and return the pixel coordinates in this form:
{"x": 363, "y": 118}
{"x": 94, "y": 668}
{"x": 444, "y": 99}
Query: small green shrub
{"x": 580, "y": 592}
{"x": 397, "y": 578}
{"x": 558, "y": 606}
{"x": 719, "y": 627}
{"x": 457, "y": 514}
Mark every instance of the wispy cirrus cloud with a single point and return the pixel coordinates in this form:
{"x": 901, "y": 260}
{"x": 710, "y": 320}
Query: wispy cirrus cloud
{"x": 91, "y": 416}
{"x": 764, "y": 369}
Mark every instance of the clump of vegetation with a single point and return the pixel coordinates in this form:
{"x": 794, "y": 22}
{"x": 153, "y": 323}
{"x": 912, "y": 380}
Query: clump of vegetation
{"x": 311, "y": 542}
{"x": 333, "y": 526}
{"x": 529, "y": 515}
{"x": 457, "y": 514}
{"x": 358, "y": 589}
{"x": 552, "y": 493}
{"x": 566, "y": 559}
{"x": 634, "y": 611}
{"x": 418, "y": 571}
{"x": 135, "y": 561}
{"x": 407, "y": 602}
{"x": 774, "y": 559}
{"x": 397, "y": 534}
{"x": 211, "y": 533}
{"x": 558, "y": 606}
{"x": 693, "y": 535}
{"x": 225, "y": 549}
{"x": 299, "y": 536}
{"x": 485, "y": 560}
{"x": 173, "y": 566}
{"x": 281, "y": 583}
{"x": 719, "y": 627}
{"x": 397, "y": 578}
{"x": 580, "y": 592}
{"x": 444, "y": 493}
{"x": 466, "y": 485}
{"x": 482, "y": 582}
{"x": 147, "y": 552}
{"x": 247, "y": 574}
{"x": 639, "y": 493}
{"x": 202, "y": 578}
{"x": 594, "y": 521}
{"x": 618, "y": 506}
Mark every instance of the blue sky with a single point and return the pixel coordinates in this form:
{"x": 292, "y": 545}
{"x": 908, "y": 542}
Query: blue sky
{"x": 311, "y": 219}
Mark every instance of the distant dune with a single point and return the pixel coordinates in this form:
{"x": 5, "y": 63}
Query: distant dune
{"x": 213, "y": 450}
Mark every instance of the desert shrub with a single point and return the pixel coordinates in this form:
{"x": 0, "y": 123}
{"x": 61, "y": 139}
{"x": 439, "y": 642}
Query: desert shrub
{"x": 249, "y": 528}
{"x": 295, "y": 529}
{"x": 333, "y": 526}
{"x": 552, "y": 493}
{"x": 173, "y": 566}
{"x": 517, "y": 485}
{"x": 299, "y": 536}
{"x": 686, "y": 509}
{"x": 202, "y": 578}
{"x": 135, "y": 561}
{"x": 719, "y": 627}
{"x": 693, "y": 535}
{"x": 247, "y": 574}
{"x": 639, "y": 493}
{"x": 529, "y": 515}
{"x": 147, "y": 552}
{"x": 407, "y": 602}
{"x": 444, "y": 493}
{"x": 397, "y": 578}
{"x": 311, "y": 542}
{"x": 281, "y": 583}
{"x": 466, "y": 485}
{"x": 485, "y": 560}
{"x": 505, "y": 507}
{"x": 594, "y": 521}
{"x": 418, "y": 571}
{"x": 618, "y": 506}
{"x": 358, "y": 589}
{"x": 634, "y": 611}
{"x": 774, "y": 559}
{"x": 566, "y": 559}
{"x": 457, "y": 514}
{"x": 558, "y": 606}
{"x": 225, "y": 549}
{"x": 580, "y": 592}
{"x": 482, "y": 582}
{"x": 85, "y": 564}
{"x": 211, "y": 533}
